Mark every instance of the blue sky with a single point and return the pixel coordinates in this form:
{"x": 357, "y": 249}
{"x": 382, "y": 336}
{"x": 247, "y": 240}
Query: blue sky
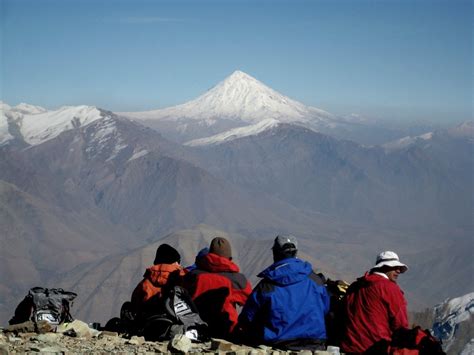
{"x": 388, "y": 59}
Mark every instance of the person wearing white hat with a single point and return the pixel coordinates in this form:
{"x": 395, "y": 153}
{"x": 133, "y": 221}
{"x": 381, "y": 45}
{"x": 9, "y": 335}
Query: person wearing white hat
{"x": 375, "y": 307}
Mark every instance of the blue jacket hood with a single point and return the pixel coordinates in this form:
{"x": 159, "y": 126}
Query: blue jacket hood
{"x": 287, "y": 271}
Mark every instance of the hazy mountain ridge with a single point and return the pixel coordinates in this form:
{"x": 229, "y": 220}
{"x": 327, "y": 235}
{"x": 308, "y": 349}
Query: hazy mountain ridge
{"x": 95, "y": 162}
{"x": 464, "y": 130}
{"x": 323, "y": 174}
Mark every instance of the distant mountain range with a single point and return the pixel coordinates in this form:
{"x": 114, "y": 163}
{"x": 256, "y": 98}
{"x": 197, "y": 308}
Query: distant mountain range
{"x": 86, "y": 194}
{"x": 241, "y": 104}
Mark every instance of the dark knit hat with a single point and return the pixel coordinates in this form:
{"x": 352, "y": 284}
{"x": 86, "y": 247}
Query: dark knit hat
{"x": 221, "y": 246}
{"x": 166, "y": 254}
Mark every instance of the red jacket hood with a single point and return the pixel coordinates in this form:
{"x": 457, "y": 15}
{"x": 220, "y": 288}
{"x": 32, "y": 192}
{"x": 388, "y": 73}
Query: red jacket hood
{"x": 215, "y": 263}
{"x": 159, "y": 274}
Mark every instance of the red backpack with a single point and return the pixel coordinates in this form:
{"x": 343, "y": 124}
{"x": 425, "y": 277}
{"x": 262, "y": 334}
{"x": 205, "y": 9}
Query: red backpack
{"x": 415, "y": 341}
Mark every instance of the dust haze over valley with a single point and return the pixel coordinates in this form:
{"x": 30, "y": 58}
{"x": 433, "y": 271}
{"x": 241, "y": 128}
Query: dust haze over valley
{"x": 86, "y": 195}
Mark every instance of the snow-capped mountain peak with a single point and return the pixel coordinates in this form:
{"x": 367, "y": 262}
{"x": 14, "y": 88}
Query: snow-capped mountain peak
{"x": 238, "y": 97}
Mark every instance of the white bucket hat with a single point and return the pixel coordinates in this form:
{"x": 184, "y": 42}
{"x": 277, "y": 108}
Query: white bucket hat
{"x": 389, "y": 258}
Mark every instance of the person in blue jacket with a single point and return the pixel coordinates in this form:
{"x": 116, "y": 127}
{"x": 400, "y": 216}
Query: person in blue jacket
{"x": 287, "y": 308}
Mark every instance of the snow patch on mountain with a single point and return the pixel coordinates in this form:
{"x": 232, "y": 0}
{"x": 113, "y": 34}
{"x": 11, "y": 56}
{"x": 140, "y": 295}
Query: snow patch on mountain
{"x": 449, "y": 315}
{"x": 28, "y": 109}
{"x": 468, "y": 349}
{"x": 6, "y": 115}
{"x": 407, "y": 141}
{"x": 242, "y": 97}
{"x": 106, "y": 140}
{"x": 138, "y": 154}
{"x": 235, "y": 133}
{"x": 5, "y": 135}
{"x": 38, "y": 128}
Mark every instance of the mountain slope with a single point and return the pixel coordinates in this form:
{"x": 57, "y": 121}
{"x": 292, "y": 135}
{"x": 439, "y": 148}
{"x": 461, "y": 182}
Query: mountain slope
{"x": 40, "y": 240}
{"x": 150, "y": 185}
{"x": 454, "y": 324}
{"x": 463, "y": 130}
{"x": 340, "y": 178}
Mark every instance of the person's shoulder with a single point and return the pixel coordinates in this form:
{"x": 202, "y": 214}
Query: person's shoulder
{"x": 319, "y": 279}
{"x": 390, "y": 287}
{"x": 265, "y": 286}
{"x": 239, "y": 280}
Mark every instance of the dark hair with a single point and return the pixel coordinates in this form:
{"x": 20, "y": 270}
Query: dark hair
{"x": 288, "y": 251}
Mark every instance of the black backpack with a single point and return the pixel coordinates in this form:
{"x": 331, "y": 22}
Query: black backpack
{"x": 178, "y": 315}
{"x": 43, "y": 304}
{"x": 335, "y": 318}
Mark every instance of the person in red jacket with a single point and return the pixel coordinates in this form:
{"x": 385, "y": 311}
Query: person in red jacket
{"x": 217, "y": 287}
{"x": 375, "y": 307}
{"x": 165, "y": 271}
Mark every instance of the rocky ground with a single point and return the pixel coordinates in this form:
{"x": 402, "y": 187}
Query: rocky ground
{"x": 78, "y": 338}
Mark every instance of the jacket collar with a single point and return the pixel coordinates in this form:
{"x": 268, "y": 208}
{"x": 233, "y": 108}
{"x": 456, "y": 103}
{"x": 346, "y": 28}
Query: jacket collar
{"x": 216, "y": 263}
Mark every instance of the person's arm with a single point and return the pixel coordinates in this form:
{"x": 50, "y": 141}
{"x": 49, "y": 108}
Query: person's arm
{"x": 398, "y": 315}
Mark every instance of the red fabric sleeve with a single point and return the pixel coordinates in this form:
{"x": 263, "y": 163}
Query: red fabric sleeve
{"x": 398, "y": 316}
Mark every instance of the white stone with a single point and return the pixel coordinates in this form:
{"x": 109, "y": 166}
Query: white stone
{"x": 180, "y": 343}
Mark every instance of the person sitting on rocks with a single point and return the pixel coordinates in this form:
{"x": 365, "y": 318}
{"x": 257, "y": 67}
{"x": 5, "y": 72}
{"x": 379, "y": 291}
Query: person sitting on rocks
{"x": 287, "y": 308}
{"x": 217, "y": 287}
{"x": 166, "y": 271}
{"x": 375, "y": 307}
